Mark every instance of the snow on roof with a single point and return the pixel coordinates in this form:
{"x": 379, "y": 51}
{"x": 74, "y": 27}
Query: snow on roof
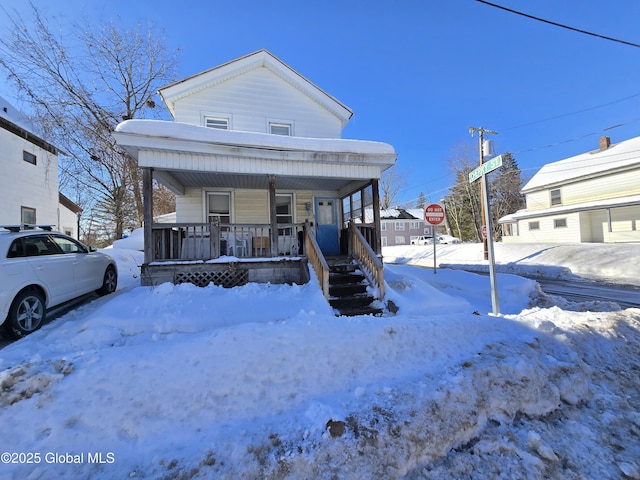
{"x": 619, "y": 155}
{"x": 183, "y": 131}
{"x": 13, "y": 115}
{"x": 404, "y": 213}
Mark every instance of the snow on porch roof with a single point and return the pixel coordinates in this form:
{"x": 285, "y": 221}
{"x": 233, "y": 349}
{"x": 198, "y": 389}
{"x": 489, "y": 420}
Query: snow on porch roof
{"x": 194, "y": 133}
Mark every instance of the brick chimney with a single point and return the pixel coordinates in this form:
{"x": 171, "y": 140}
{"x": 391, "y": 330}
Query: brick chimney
{"x": 605, "y": 142}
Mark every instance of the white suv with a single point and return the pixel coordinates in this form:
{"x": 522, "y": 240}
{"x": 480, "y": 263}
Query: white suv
{"x": 40, "y": 269}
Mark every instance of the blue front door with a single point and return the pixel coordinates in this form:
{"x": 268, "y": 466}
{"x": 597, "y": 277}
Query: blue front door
{"x": 327, "y": 225}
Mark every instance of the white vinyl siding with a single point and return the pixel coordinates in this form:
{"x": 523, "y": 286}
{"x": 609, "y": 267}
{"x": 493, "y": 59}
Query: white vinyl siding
{"x": 255, "y": 97}
{"x": 23, "y": 184}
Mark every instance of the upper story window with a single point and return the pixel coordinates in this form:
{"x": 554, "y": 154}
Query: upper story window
{"x": 29, "y": 157}
{"x": 556, "y": 197}
{"x": 399, "y": 225}
{"x": 216, "y": 122}
{"x": 414, "y": 225}
{"x": 280, "y": 129}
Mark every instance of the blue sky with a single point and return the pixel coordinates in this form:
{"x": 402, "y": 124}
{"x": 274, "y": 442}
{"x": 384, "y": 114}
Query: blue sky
{"x": 418, "y": 73}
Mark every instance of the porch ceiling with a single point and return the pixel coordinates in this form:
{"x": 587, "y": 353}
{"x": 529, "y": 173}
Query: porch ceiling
{"x": 197, "y": 179}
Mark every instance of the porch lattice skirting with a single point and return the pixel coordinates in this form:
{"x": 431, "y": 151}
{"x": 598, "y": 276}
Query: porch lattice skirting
{"x": 227, "y": 279}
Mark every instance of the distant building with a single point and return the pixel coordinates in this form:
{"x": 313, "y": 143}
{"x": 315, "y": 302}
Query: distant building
{"x": 401, "y": 226}
{"x": 592, "y": 197}
{"x": 29, "y": 176}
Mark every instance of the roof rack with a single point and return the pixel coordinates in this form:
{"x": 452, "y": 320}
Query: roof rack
{"x": 25, "y": 226}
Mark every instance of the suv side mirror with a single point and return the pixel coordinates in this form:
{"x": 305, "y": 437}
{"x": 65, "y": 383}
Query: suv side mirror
{"x": 92, "y": 248}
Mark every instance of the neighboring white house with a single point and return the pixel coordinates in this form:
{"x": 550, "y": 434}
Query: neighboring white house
{"x": 29, "y": 177}
{"x": 28, "y": 172}
{"x": 257, "y": 148}
{"x": 592, "y": 197}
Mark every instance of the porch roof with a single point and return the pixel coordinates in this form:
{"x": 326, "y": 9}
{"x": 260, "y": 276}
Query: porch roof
{"x": 193, "y": 156}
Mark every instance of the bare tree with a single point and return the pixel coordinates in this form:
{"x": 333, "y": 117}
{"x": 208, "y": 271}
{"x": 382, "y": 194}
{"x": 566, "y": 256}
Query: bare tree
{"x": 80, "y": 87}
{"x": 390, "y": 184}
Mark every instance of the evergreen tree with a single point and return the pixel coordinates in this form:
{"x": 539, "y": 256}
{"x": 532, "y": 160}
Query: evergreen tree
{"x": 464, "y": 205}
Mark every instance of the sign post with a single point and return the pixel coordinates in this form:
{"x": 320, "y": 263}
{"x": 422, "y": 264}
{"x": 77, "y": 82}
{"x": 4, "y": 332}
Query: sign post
{"x": 434, "y": 215}
{"x": 482, "y": 171}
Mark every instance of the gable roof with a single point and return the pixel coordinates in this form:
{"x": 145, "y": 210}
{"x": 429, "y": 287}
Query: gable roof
{"x": 260, "y": 59}
{"x": 617, "y": 157}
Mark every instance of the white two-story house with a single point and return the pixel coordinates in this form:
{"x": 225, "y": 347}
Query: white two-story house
{"x": 592, "y": 197}
{"x": 261, "y": 173}
{"x": 29, "y": 177}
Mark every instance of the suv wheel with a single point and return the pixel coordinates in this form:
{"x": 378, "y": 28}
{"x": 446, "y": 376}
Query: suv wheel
{"x": 26, "y": 315}
{"x": 109, "y": 283}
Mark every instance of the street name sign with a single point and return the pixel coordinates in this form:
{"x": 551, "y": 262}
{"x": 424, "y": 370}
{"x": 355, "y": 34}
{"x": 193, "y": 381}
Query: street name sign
{"x": 486, "y": 167}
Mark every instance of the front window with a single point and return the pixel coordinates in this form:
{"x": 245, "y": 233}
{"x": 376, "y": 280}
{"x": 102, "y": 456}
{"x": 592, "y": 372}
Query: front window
{"x": 69, "y": 246}
{"x": 556, "y": 197}
{"x": 400, "y": 240}
{"x": 399, "y": 225}
{"x": 284, "y": 212}
{"x": 219, "y": 206}
{"x": 534, "y": 225}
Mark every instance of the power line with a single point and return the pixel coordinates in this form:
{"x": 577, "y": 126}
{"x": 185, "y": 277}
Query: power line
{"x": 560, "y": 24}
{"x": 571, "y": 113}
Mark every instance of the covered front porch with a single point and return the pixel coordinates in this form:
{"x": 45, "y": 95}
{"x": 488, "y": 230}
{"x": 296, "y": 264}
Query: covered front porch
{"x": 256, "y": 207}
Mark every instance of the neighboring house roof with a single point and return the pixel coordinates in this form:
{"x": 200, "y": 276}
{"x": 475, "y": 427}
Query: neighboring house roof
{"x": 616, "y": 157}
{"x": 399, "y": 214}
{"x": 14, "y": 121}
{"x": 68, "y": 203}
{"x": 262, "y": 58}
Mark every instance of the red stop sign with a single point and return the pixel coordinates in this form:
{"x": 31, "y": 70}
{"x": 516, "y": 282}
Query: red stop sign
{"x": 434, "y": 214}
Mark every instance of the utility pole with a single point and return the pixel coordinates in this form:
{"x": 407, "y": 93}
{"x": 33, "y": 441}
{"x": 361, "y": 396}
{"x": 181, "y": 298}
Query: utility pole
{"x": 486, "y": 218}
{"x": 483, "y": 188}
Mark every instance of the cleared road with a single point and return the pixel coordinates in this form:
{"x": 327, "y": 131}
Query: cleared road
{"x": 627, "y": 296}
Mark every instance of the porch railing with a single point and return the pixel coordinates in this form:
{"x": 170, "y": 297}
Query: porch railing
{"x": 317, "y": 260}
{"x": 205, "y": 241}
{"x": 360, "y": 249}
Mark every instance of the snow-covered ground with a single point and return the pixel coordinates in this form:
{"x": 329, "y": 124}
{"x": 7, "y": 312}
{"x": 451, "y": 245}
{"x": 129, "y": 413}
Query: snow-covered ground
{"x": 263, "y": 381}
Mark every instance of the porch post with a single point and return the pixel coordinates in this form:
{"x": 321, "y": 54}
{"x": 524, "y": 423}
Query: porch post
{"x": 273, "y": 215}
{"x": 147, "y": 201}
{"x": 376, "y": 216}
